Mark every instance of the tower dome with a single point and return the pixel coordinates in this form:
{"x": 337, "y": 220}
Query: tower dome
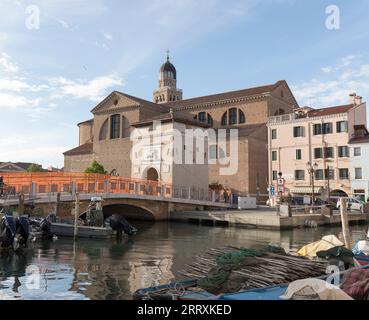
{"x": 167, "y": 90}
{"x": 168, "y": 71}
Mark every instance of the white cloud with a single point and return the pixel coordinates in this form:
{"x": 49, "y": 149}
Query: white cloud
{"x": 6, "y": 64}
{"x": 347, "y": 76}
{"x": 8, "y": 100}
{"x": 94, "y": 89}
{"x": 64, "y": 24}
{"x": 108, "y": 36}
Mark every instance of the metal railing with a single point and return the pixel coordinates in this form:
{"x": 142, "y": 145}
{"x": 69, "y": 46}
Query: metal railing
{"x": 33, "y": 184}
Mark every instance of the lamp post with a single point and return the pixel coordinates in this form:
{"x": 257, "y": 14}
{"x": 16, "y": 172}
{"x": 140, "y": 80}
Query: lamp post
{"x": 311, "y": 169}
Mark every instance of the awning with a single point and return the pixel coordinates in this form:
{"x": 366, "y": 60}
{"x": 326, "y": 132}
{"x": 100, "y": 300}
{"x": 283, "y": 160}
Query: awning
{"x": 305, "y": 190}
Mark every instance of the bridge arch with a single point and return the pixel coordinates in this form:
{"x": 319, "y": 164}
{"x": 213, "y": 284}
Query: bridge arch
{"x": 128, "y": 211}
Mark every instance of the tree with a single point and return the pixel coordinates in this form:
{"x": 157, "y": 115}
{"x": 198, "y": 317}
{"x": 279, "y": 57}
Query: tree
{"x": 34, "y": 168}
{"x": 96, "y": 167}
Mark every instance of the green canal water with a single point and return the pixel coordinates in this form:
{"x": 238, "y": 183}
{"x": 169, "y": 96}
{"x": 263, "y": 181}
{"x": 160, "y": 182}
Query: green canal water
{"x": 112, "y": 269}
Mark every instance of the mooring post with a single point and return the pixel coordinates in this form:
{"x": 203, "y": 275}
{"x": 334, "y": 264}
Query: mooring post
{"x": 76, "y": 212}
{"x": 21, "y": 204}
{"x": 345, "y": 223}
{"x": 57, "y": 208}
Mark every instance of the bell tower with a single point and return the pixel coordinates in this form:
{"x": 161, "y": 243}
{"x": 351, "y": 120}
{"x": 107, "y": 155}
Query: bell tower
{"x": 167, "y": 91}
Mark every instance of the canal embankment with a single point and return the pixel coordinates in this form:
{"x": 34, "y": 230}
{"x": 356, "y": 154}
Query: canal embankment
{"x": 266, "y": 218}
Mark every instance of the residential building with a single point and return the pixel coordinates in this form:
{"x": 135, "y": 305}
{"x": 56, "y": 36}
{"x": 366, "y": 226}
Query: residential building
{"x": 359, "y": 163}
{"x": 310, "y": 147}
{"x": 14, "y": 166}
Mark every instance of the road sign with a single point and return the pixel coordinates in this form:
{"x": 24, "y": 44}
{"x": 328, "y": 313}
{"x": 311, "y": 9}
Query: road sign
{"x": 280, "y": 182}
{"x": 280, "y": 189}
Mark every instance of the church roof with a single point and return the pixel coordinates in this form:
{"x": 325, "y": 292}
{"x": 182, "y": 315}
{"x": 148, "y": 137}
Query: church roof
{"x": 86, "y": 148}
{"x": 225, "y": 96}
{"x": 167, "y": 117}
{"x": 137, "y": 101}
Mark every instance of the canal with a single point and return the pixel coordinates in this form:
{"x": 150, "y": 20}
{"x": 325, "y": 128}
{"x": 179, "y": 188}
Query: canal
{"x": 112, "y": 269}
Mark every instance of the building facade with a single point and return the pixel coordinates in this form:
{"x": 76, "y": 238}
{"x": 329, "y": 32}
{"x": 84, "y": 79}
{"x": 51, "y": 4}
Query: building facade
{"x": 310, "y": 148}
{"x": 106, "y": 137}
{"x": 359, "y": 163}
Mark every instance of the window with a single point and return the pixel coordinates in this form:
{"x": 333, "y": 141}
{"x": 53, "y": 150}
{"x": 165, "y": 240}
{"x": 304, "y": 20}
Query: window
{"x": 212, "y": 152}
{"x": 298, "y": 132}
{"x": 299, "y": 175}
{"x": 319, "y": 174}
{"x": 115, "y": 126}
{"x": 104, "y": 130}
{"x": 357, "y": 152}
{"x": 328, "y": 152}
{"x": 342, "y": 126}
{"x": 298, "y": 154}
{"x": 344, "y": 174}
{"x": 358, "y": 173}
{"x": 318, "y": 153}
{"x": 327, "y": 128}
{"x": 329, "y": 173}
{"x": 317, "y": 129}
{"x": 274, "y": 155}
{"x": 210, "y": 120}
{"x": 275, "y": 175}
{"x": 202, "y": 117}
{"x": 232, "y": 116}
{"x": 343, "y": 152}
{"x": 125, "y": 128}
{"x": 241, "y": 117}
{"x": 274, "y": 134}
{"x": 224, "y": 119}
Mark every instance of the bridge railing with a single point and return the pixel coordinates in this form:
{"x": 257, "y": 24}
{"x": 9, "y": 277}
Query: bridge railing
{"x": 33, "y": 184}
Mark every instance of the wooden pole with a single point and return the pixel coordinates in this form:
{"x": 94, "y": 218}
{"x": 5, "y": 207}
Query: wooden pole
{"x": 76, "y": 212}
{"x": 345, "y": 223}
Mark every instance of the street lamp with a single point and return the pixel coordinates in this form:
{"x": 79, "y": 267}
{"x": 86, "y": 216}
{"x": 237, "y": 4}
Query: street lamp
{"x": 311, "y": 169}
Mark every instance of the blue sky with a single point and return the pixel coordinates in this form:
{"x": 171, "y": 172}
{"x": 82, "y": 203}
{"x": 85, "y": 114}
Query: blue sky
{"x": 51, "y": 77}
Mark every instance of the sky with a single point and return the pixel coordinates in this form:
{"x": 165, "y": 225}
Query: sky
{"x": 59, "y": 58}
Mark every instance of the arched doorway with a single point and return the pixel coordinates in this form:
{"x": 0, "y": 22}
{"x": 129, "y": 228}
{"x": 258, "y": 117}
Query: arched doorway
{"x": 152, "y": 175}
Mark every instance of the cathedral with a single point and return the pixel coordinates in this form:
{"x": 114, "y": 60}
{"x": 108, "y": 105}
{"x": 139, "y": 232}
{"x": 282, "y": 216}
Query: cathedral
{"x": 106, "y": 137}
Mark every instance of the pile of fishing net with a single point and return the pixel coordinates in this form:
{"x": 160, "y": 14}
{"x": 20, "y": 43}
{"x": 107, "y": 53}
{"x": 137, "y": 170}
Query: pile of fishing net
{"x": 233, "y": 269}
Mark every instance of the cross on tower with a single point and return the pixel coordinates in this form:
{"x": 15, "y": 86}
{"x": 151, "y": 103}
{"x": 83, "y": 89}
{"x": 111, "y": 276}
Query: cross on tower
{"x": 168, "y": 54}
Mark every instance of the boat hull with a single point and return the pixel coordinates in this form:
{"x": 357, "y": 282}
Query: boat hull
{"x": 67, "y": 230}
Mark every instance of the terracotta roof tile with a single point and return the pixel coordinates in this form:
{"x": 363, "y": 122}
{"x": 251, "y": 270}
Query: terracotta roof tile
{"x": 330, "y": 110}
{"x": 224, "y": 96}
{"x": 86, "y": 148}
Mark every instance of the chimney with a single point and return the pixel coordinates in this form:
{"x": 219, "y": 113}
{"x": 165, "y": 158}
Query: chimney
{"x": 358, "y": 100}
{"x": 352, "y": 98}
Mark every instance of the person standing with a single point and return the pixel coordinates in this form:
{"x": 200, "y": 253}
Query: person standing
{"x": 1, "y": 185}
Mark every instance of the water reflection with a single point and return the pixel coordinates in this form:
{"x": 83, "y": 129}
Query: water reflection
{"x": 114, "y": 269}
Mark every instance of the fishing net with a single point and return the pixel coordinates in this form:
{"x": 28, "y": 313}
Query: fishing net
{"x": 221, "y": 278}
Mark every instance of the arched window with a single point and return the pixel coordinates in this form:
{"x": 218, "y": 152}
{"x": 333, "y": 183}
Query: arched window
{"x": 241, "y": 117}
{"x": 115, "y": 126}
{"x": 205, "y": 118}
{"x": 224, "y": 119}
{"x": 104, "y": 131}
{"x": 232, "y": 116}
{"x": 125, "y": 127}
{"x": 210, "y": 120}
{"x": 202, "y": 116}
